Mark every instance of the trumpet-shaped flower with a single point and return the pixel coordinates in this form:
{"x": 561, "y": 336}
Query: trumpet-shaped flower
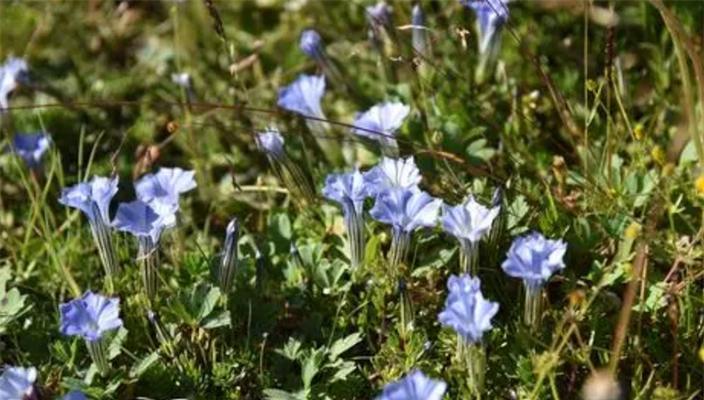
{"x": 17, "y": 383}
{"x": 466, "y": 311}
{"x": 491, "y": 15}
{"x": 468, "y": 221}
{"x": 90, "y": 316}
{"x": 393, "y": 173}
{"x": 162, "y": 190}
{"x": 379, "y": 14}
{"x": 13, "y": 73}
{"x": 142, "y": 221}
{"x": 93, "y": 198}
{"x": 414, "y": 386}
{"x": 271, "y": 143}
{"x": 534, "y": 259}
{"x": 311, "y": 44}
{"x": 406, "y": 210}
{"x": 31, "y": 147}
{"x": 419, "y": 38}
{"x": 348, "y": 189}
{"x": 381, "y": 121}
{"x": 303, "y": 96}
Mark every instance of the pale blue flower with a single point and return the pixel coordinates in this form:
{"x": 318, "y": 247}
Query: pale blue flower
{"x": 491, "y": 15}
{"x": 381, "y": 121}
{"x": 93, "y": 198}
{"x": 75, "y": 395}
{"x": 303, "y": 96}
{"x": 311, "y": 44}
{"x": 228, "y": 261}
{"x": 90, "y": 316}
{"x": 13, "y": 73}
{"x": 17, "y": 383}
{"x": 347, "y": 189}
{"x": 163, "y": 189}
{"x": 406, "y": 210}
{"x": 142, "y": 221}
{"x": 534, "y": 259}
{"x": 466, "y": 311}
{"x": 393, "y": 173}
{"x": 419, "y": 38}
{"x": 30, "y": 147}
{"x": 271, "y": 143}
{"x": 379, "y": 14}
{"x": 468, "y": 221}
{"x": 414, "y": 386}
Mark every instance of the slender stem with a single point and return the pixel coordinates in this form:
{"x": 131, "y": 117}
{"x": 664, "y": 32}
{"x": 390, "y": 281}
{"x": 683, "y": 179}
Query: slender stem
{"x": 532, "y": 307}
{"x": 475, "y": 362}
{"x": 400, "y": 242}
{"x": 354, "y": 223}
{"x": 106, "y": 251}
{"x": 469, "y": 257}
{"x": 148, "y": 257}
{"x": 98, "y": 353}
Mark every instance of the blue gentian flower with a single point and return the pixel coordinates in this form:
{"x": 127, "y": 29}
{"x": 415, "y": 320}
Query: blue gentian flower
{"x": 271, "y": 143}
{"x": 303, "y": 96}
{"x": 228, "y": 261}
{"x": 379, "y": 15}
{"x": 75, "y": 395}
{"x": 419, "y": 38}
{"x": 466, "y": 311}
{"x": 142, "y": 221}
{"x": 393, "y": 173}
{"x": 414, "y": 386}
{"x": 406, "y": 210}
{"x": 13, "y": 73}
{"x": 163, "y": 189}
{"x": 90, "y": 316}
{"x": 350, "y": 190}
{"x": 469, "y": 223}
{"x": 17, "y": 383}
{"x": 381, "y": 122}
{"x": 31, "y": 147}
{"x": 491, "y": 15}
{"x": 93, "y": 198}
{"x": 534, "y": 259}
{"x": 311, "y": 44}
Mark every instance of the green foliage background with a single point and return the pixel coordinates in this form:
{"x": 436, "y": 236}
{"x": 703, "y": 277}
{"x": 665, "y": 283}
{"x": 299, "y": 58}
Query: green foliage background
{"x": 586, "y": 125}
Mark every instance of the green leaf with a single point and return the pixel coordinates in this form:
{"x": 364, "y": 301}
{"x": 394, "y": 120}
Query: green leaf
{"x": 342, "y": 345}
{"x": 143, "y": 365}
{"x": 209, "y": 302}
{"x": 291, "y": 350}
{"x": 115, "y": 347}
{"x": 222, "y": 319}
{"x": 311, "y": 367}
{"x": 276, "y": 394}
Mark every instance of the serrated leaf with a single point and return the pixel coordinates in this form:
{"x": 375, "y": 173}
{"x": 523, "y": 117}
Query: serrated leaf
{"x": 311, "y": 367}
{"x": 342, "y": 345}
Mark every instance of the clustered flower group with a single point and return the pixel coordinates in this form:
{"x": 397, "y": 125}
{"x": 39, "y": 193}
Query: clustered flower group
{"x": 393, "y": 185}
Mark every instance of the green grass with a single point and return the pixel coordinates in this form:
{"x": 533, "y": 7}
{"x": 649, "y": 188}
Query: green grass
{"x": 594, "y": 131}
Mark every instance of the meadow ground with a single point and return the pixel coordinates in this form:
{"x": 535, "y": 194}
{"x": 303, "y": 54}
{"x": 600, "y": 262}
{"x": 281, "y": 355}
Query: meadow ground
{"x": 173, "y": 228}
